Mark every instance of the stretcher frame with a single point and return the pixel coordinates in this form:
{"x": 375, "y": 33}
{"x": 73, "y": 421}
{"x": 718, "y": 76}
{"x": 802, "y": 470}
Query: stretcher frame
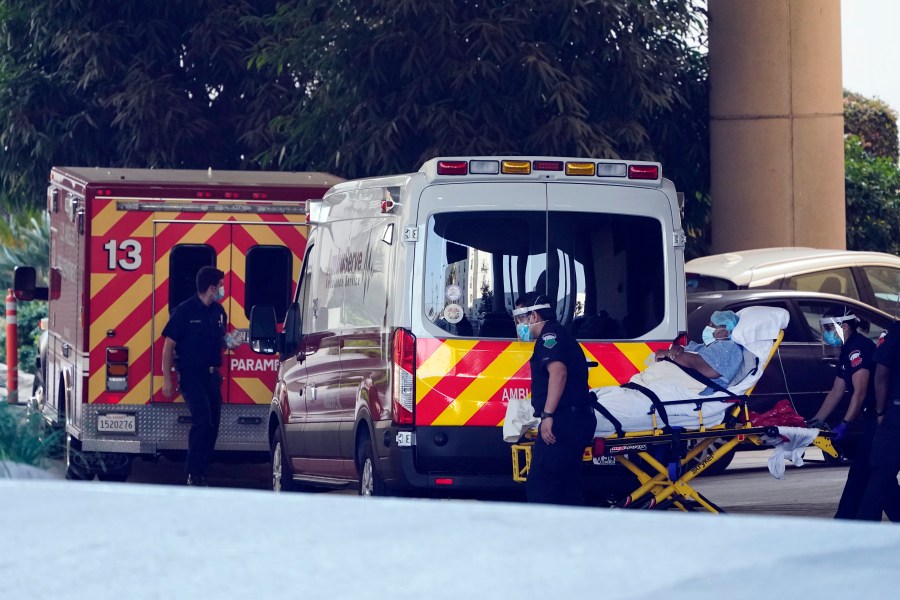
{"x": 662, "y": 486}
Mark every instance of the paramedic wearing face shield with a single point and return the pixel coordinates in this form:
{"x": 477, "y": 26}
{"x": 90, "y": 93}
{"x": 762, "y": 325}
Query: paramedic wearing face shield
{"x": 561, "y": 398}
{"x": 855, "y": 366}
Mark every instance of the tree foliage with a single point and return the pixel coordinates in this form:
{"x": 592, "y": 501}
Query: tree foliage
{"x": 874, "y": 123}
{"x": 138, "y": 84}
{"x": 873, "y": 199}
{"x": 382, "y": 86}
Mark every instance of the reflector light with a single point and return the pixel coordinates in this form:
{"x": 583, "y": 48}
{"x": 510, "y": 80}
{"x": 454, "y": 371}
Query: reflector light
{"x": 443, "y": 481}
{"x": 204, "y": 194}
{"x": 484, "y": 167}
{"x": 612, "y": 170}
{"x": 452, "y": 167}
{"x": 117, "y": 355}
{"x": 259, "y": 196}
{"x": 232, "y": 195}
{"x": 116, "y": 370}
{"x": 515, "y": 167}
{"x": 643, "y": 172}
{"x": 682, "y": 339}
{"x": 581, "y": 169}
{"x": 547, "y": 165}
{"x": 599, "y": 447}
{"x": 403, "y": 388}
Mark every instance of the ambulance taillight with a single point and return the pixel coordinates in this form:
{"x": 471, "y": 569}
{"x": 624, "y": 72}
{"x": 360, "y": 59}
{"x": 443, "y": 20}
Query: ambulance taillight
{"x": 403, "y": 356}
{"x": 116, "y": 369}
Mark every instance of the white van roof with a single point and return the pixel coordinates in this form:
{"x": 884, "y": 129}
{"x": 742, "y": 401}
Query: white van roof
{"x": 763, "y": 265}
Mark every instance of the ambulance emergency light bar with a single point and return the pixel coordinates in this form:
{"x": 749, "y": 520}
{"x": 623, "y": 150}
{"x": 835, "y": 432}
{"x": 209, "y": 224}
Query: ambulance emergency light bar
{"x": 645, "y": 171}
{"x": 282, "y": 208}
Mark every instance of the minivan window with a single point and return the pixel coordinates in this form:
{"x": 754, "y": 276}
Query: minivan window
{"x": 832, "y": 281}
{"x": 603, "y": 274}
{"x": 885, "y": 282}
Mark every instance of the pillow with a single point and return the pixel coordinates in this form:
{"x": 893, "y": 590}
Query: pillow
{"x": 759, "y": 323}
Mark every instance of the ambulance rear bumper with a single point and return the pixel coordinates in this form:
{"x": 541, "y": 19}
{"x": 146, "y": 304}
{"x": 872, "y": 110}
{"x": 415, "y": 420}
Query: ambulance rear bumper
{"x": 162, "y": 427}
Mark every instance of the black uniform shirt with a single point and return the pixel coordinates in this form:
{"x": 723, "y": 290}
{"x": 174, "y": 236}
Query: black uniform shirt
{"x": 557, "y": 344}
{"x": 199, "y": 334}
{"x": 888, "y": 354}
{"x": 857, "y": 353}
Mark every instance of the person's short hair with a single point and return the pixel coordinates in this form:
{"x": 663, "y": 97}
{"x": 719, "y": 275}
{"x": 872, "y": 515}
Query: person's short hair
{"x": 208, "y": 276}
{"x": 536, "y": 299}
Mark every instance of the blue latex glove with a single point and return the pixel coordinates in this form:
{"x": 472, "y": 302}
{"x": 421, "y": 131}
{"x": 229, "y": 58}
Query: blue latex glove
{"x": 840, "y": 431}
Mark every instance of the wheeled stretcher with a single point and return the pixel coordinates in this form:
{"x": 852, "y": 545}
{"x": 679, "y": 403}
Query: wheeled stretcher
{"x": 660, "y": 439}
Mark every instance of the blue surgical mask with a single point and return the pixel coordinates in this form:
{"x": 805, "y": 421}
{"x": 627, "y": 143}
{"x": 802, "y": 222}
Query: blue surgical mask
{"x": 220, "y": 293}
{"x": 523, "y": 332}
{"x": 831, "y": 338}
{"x": 708, "y": 337}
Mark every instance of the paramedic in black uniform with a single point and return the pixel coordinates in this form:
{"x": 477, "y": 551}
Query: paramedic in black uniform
{"x": 561, "y": 398}
{"x": 882, "y": 494}
{"x": 840, "y": 328}
{"x": 195, "y": 337}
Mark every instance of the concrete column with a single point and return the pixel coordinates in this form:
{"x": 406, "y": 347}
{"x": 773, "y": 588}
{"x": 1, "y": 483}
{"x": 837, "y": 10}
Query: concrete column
{"x": 776, "y": 124}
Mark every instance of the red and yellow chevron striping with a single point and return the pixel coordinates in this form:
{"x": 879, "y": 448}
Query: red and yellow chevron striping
{"x": 129, "y": 306}
{"x": 468, "y": 382}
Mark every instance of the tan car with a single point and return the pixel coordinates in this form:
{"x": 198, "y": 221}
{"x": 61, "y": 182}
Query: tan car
{"x": 871, "y": 277}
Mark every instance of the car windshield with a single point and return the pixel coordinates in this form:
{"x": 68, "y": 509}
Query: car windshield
{"x": 603, "y": 274}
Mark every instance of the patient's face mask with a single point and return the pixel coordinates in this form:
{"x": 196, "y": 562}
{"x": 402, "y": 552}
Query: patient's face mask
{"x": 708, "y": 335}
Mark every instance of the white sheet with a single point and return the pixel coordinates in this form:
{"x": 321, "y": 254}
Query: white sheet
{"x": 757, "y": 329}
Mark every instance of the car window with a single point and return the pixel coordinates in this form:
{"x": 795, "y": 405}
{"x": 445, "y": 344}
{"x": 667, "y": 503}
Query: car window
{"x": 885, "y": 283}
{"x": 832, "y": 281}
{"x": 812, "y": 311}
{"x": 696, "y": 283}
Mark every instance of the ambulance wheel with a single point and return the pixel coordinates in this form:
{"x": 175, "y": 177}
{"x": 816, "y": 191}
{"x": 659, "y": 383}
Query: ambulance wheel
{"x": 718, "y": 467}
{"x": 76, "y": 467}
{"x": 113, "y": 477}
{"x": 282, "y": 476}
{"x": 370, "y": 483}
{"x": 114, "y": 467}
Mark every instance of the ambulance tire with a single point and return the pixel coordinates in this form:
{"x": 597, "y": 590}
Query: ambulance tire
{"x": 115, "y": 468}
{"x": 76, "y": 468}
{"x": 282, "y": 475}
{"x": 370, "y": 482}
{"x": 718, "y": 467}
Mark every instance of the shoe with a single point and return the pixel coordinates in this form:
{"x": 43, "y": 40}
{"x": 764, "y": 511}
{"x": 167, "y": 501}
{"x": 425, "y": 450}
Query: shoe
{"x": 199, "y": 481}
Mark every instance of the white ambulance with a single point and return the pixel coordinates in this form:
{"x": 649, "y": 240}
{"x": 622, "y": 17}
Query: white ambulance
{"x": 399, "y": 352}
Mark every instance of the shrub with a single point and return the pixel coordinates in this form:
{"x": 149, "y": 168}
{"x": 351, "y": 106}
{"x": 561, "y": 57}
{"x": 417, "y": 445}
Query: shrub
{"x": 22, "y": 437}
{"x": 29, "y": 315}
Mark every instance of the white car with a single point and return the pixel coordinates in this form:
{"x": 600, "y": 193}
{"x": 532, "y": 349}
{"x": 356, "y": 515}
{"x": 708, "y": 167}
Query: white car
{"x": 871, "y": 277}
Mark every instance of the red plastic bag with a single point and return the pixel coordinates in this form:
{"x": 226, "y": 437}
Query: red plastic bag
{"x": 782, "y": 414}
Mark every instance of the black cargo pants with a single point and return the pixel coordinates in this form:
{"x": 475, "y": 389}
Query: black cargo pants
{"x": 202, "y": 391}
{"x": 555, "y": 473}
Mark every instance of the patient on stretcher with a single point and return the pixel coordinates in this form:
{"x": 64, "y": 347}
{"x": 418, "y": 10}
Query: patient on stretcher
{"x": 735, "y": 347}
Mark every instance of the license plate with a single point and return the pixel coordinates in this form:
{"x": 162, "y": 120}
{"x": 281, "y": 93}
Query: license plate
{"x": 116, "y": 423}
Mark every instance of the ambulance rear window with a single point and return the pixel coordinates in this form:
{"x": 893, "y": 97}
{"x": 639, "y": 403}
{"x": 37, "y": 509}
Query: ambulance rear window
{"x": 604, "y": 273}
{"x": 269, "y": 277}
{"x": 184, "y": 262}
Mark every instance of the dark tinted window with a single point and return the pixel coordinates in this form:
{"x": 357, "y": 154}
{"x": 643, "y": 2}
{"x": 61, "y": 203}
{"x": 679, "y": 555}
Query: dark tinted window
{"x": 184, "y": 262}
{"x": 269, "y": 276}
{"x": 705, "y": 283}
{"x": 603, "y": 273}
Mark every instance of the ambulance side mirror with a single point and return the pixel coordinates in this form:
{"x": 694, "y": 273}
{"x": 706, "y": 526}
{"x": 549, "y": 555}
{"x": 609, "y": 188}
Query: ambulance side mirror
{"x": 25, "y": 285}
{"x": 263, "y": 329}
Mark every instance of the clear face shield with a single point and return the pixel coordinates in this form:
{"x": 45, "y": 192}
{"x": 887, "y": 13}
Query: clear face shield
{"x": 520, "y": 316}
{"x": 833, "y": 330}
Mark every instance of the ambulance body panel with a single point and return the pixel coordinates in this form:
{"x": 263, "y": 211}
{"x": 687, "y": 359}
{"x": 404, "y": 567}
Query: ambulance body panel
{"x": 125, "y": 247}
{"x": 407, "y": 348}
